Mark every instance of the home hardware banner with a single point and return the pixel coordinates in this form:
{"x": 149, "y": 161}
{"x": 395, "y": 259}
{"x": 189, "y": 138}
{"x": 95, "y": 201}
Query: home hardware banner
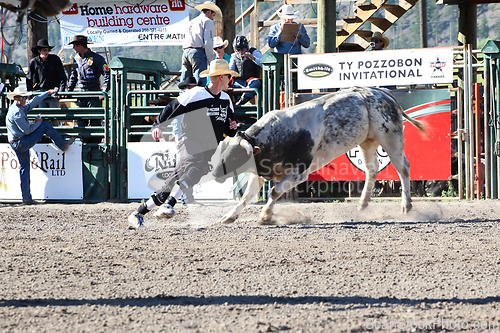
{"x": 63, "y": 179}
{"x": 142, "y": 23}
{"x": 375, "y": 68}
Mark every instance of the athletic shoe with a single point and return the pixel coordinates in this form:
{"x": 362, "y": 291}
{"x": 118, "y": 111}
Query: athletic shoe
{"x": 136, "y": 221}
{"x": 164, "y": 212}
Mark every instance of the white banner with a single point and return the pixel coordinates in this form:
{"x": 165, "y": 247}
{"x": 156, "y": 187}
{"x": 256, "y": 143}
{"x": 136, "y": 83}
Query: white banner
{"x": 63, "y": 179}
{"x": 149, "y": 22}
{"x": 375, "y": 68}
{"x": 150, "y": 163}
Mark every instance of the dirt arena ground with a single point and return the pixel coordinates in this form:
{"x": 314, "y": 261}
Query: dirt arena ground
{"x": 324, "y": 267}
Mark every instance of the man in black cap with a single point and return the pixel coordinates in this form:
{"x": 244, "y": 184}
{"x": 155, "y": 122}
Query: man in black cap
{"x": 87, "y": 70}
{"x": 46, "y": 72}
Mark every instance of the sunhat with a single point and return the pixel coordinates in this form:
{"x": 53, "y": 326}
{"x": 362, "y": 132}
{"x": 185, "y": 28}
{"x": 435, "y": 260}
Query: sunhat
{"x": 218, "y": 67}
{"x": 189, "y": 81}
{"x": 287, "y": 12}
{"x": 210, "y": 5}
{"x": 218, "y": 42}
{"x": 42, "y": 44}
{"x": 19, "y": 91}
{"x": 80, "y": 39}
{"x": 378, "y": 35}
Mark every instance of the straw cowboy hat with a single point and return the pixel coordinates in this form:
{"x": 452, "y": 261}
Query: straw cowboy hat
{"x": 80, "y": 39}
{"x": 190, "y": 81}
{"x": 378, "y": 35}
{"x": 42, "y": 44}
{"x": 210, "y": 5}
{"x": 218, "y": 67}
{"x": 287, "y": 12}
{"x": 19, "y": 91}
{"x": 218, "y": 42}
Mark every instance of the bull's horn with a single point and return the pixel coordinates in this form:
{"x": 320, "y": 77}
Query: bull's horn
{"x": 247, "y": 146}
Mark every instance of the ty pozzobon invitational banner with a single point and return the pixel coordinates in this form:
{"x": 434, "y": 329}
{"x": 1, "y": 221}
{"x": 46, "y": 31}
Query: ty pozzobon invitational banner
{"x": 375, "y": 68}
{"x": 140, "y": 23}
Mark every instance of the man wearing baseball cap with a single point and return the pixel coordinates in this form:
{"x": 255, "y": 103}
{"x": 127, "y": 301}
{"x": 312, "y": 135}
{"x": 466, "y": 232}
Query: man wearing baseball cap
{"x": 22, "y": 135}
{"x": 208, "y": 113}
{"x": 198, "y": 44}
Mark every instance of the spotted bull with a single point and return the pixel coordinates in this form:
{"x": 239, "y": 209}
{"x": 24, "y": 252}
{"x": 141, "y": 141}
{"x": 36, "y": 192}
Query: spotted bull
{"x": 286, "y": 146}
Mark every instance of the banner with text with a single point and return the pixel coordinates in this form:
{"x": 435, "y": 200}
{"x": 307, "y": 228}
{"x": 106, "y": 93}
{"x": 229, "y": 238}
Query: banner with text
{"x": 150, "y": 163}
{"x": 143, "y": 23}
{"x": 63, "y": 179}
{"x": 375, "y": 68}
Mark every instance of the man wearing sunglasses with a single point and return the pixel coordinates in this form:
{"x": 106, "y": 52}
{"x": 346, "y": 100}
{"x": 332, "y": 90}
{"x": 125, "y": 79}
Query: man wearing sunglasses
{"x": 22, "y": 135}
{"x": 378, "y": 42}
{"x": 198, "y": 45}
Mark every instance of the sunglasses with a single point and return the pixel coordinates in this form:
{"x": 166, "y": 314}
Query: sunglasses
{"x": 218, "y": 48}
{"x": 22, "y": 97}
{"x": 376, "y": 41}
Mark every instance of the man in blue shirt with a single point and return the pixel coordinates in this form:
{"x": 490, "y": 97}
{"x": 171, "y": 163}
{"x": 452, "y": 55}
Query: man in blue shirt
{"x": 22, "y": 135}
{"x": 87, "y": 70}
{"x": 287, "y": 15}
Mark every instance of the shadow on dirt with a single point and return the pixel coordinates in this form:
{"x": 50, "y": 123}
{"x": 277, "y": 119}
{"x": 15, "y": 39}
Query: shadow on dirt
{"x": 165, "y": 300}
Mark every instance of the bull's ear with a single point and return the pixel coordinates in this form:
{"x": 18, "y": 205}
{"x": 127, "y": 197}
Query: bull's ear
{"x": 256, "y": 150}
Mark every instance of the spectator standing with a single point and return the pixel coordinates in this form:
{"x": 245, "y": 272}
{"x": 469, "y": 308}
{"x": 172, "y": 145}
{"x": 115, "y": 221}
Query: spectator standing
{"x": 378, "y": 42}
{"x": 287, "y": 15}
{"x": 22, "y": 135}
{"x": 87, "y": 71}
{"x": 198, "y": 45}
{"x": 46, "y": 72}
{"x": 207, "y": 117}
{"x": 245, "y": 61}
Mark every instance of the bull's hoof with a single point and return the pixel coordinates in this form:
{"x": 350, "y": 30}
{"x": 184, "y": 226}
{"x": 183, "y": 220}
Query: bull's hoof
{"x": 228, "y": 220}
{"x": 266, "y": 222}
{"x": 362, "y": 205}
{"x": 407, "y": 208}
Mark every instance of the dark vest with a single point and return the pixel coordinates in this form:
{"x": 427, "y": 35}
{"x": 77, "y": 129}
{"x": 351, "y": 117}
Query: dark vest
{"x": 247, "y": 68}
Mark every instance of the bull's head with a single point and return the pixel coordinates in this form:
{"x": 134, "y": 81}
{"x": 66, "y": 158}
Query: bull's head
{"x": 48, "y": 7}
{"x": 236, "y": 156}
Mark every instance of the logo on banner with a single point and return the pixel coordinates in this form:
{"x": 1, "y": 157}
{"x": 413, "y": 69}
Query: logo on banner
{"x": 354, "y": 156}
{"x": 176, "y": 5}
{"x": 318, "y": 70}
{"x": 162, "y": 163}
{"x": 72, "y": 11}
{"x": 438, "y": 68}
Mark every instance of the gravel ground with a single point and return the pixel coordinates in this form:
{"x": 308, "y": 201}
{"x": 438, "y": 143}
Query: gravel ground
{"x": 324, "y": 267}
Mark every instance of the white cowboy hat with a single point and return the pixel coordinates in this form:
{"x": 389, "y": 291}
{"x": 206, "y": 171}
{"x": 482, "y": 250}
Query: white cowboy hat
{"x": 378, "y": 35}
{"x": 210, "y": 5}
{"x": 218, "y": 42}
{"x": 19, "y": 91}
{"x": 287, "y": 12}
{"x": 218, "y": 67}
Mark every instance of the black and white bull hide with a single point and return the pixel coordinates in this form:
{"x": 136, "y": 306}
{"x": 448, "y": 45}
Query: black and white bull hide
{"x": 290, "y": 144}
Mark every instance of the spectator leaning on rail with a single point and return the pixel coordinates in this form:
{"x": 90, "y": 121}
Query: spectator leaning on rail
{"x": 245, "y": 61}
{"x": 207, "y": 118}
{"x": 46, "y": 72}
{"x": 198, "y": 46}
{"x": 287, "y": 15}
{"x": 378, "y": 42}
{"x": 87, "y": 70}
{"x": 22, "y": 135}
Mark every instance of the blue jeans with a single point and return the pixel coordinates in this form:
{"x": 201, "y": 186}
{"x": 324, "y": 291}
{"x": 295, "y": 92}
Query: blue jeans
{"x": 89, "y": 102}
{"x": 194, "y": 61}
{"x": 240, "y": 83}
{"x": 22, "y": 149}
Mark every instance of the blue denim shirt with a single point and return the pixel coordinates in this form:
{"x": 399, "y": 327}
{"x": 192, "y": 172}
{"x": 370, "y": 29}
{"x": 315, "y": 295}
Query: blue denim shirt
{"x": 17, "y": 121}
{"x": 274, "y": 40}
